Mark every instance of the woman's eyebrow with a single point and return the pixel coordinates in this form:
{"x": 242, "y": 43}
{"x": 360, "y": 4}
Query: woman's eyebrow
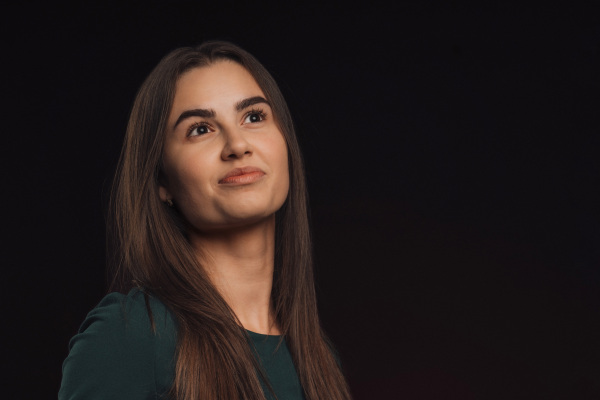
{"x": 198, "y": 112}
{"x": 250, "y": 101}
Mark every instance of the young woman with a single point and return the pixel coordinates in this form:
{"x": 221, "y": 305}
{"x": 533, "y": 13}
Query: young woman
{"x": 213, "y": 284}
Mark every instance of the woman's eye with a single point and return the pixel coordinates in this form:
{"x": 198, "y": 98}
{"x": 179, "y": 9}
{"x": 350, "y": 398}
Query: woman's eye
{"x": 198, "y": 129}
{"x": 254, "y": 116}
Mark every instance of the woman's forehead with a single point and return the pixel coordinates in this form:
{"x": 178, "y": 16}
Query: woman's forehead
{"x": 215, "y": 79}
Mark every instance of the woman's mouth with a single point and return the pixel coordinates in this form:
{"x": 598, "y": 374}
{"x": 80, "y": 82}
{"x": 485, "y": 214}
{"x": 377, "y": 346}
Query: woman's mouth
{"x": 244, "y": 175}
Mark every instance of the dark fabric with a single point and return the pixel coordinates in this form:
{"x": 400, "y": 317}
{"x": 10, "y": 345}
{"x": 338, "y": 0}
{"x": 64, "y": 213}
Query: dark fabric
{"x": 116, "y": 355}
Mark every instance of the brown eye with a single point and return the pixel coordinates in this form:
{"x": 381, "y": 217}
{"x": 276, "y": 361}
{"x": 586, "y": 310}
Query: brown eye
{"x": 254, "y": 116}
{"x": 198, "y": 129}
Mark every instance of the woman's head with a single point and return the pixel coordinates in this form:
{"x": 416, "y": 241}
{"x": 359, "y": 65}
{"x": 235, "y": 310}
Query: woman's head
{"x": 152, "y": 147}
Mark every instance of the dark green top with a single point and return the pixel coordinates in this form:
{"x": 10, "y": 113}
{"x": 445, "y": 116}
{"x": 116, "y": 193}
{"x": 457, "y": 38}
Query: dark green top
{"x": 116, "y": 355}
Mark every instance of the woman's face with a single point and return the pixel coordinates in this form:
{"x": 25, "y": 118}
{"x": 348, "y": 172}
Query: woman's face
{"x": 225, "y": 160}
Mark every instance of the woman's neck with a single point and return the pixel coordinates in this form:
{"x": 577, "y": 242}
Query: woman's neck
{"x": 240, "y": 264}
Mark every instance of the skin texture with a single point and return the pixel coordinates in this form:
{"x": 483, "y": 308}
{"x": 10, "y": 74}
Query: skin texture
{"x": 231, "y": 222}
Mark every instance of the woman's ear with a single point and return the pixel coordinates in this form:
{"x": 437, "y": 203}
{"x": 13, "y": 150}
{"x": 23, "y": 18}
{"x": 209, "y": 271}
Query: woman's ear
{"x": 163, "y": 193}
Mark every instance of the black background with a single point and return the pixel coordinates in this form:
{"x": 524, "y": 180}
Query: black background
{"x": 452, "y": 157}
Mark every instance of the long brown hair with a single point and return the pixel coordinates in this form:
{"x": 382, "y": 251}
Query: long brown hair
{"x": 148, "y": 248}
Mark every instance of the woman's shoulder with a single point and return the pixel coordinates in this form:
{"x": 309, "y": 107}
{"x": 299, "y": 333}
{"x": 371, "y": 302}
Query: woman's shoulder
{"x": 124, "y": 349}
{"x": 136, "y": 313}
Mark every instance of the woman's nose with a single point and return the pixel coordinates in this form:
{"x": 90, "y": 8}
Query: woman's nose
{"x": 236, "y": 145}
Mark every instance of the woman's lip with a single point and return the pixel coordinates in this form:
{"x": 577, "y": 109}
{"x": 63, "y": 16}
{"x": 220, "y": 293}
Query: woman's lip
{"x": 243, "y": 179}
{"x": 242, "y": 175}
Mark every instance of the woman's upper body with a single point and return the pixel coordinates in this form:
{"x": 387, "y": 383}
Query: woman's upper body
{"x": 118, "y": 355}
{"x": 208, "y": 214}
